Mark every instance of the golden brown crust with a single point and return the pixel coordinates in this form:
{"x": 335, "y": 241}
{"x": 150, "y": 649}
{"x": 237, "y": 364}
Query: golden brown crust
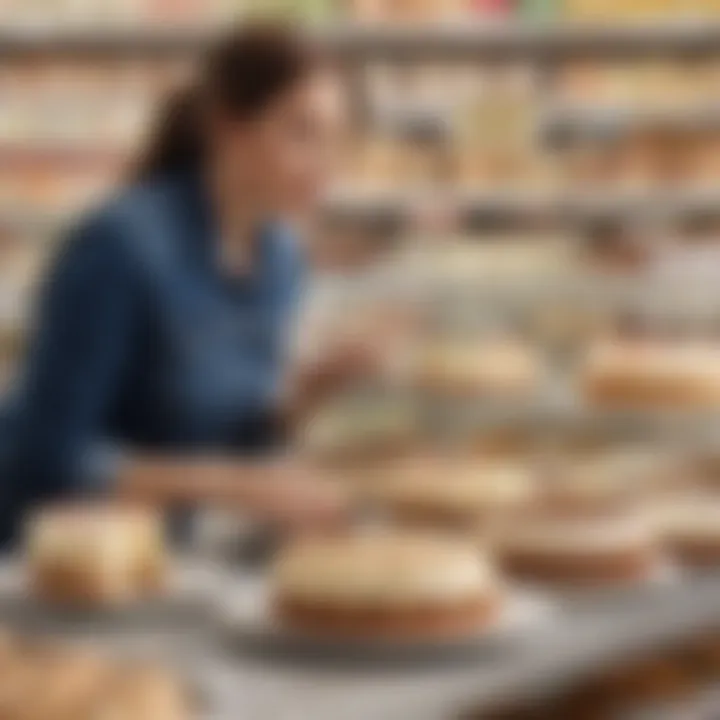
{"x": 695, "y": 552}
{"x": 417, "y": 514}
{"x": 614, "y": 390}
{"x": 430, "y": 621}
{"x": 77, "y": 587}
{"x": 584, "y": 568}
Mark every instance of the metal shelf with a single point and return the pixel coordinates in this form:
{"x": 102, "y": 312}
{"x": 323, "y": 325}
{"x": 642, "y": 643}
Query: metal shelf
{"x": 405, "y": 211}
{"x": 478, "y": 210}
{"x": 572, "y": 124}
{"x": 357, "y": 42}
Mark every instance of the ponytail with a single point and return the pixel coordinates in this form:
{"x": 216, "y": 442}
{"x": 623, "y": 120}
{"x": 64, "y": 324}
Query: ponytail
{"x": 177, "y": 142}
{"x": 240, "y": 77}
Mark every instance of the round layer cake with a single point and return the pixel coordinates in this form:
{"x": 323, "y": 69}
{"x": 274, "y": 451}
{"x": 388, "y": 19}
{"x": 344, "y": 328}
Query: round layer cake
{"x": 360, "y": 433}
{"x": 659, "y": 375}
{"x": 458, "y": 495}
{"x": 691, "y": 531}
{"x": 498, "y": 369}
{"x": 606, "y": 481}
{"x": 579, "y": 550}
{"x": 385, "y": 586}
{"x": 95, "y": 554}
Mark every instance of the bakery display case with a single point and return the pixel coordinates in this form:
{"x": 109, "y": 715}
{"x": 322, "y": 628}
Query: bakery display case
{"x": 527, "y": 220}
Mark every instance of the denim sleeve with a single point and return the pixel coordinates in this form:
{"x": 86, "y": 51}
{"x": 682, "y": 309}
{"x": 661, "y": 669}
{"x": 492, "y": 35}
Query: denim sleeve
{"x": 86, "y": 318}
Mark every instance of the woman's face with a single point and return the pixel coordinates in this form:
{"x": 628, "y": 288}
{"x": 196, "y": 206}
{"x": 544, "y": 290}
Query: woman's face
{"x": 285, "y": 158}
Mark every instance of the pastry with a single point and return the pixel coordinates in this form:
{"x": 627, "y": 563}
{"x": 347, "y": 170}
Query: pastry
{"x": 653, "y": 374}
{"x": 691, "y": 531}
{"x": 142, "y": 694}
{"x": 458, "y": 496}
{"x": 95, "y": 555}
{"x": 385, "y": 586}
{"x": 494, "y": 369}
{"x": 360, "y": 432}
{"x": 606, "y": 481}
{"x": 590, "y": 551}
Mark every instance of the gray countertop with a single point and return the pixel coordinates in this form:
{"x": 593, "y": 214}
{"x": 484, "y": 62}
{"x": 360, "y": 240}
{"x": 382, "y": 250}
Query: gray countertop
{"x": 242, "y": 683}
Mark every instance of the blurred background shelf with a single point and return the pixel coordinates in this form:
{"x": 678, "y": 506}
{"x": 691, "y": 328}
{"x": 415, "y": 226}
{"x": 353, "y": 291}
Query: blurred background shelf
{"x": 358, "y": 41}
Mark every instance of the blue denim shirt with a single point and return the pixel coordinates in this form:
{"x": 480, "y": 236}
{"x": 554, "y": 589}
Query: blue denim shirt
{"x": 143, "y": 343}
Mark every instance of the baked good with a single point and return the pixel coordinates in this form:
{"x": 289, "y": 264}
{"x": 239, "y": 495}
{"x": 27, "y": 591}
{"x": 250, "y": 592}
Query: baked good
{"x": 654, "y": 374}
{"x": 142, "y": 693}
{"x": 691, "y": 531}
{"x": 498, "y": 369}
{"x": 49, "y": 680}
{"x": 361, "y": 432}
{"x": 70, "y": 682}
{"x": 457, "y": 495}
{"x": 605, "y": 481}
{"x": 400, "y": 586}
{"x": 95, "y": 555}
{"x": 579, "y": 550}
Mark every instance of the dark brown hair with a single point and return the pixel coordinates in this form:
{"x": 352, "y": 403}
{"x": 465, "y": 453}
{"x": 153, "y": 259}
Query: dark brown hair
{"x": 239, "y": 77}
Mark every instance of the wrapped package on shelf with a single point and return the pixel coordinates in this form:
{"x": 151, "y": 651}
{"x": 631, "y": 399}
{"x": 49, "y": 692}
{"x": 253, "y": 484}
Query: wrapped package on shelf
{"x": 302, "y": 10}
{"x": 491, "y": 9}
{"x": 494, "y": 131}
{"x": 540, "y": 10}
{"x": 406, "y": 11}
{"x": 621, "y": 10}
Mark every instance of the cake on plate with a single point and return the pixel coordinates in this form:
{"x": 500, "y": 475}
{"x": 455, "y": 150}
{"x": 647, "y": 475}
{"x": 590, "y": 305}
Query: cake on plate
{"x": 579, "y": 550}
{"x": 607, "y": 481}
{"x": 653, "y": 374}
{"x": 691, "y": 531}
{"x": 487, "y": 369}
{"x": 457, "y": 495}
{"x": 385, "y": 586}
{"x": 95, "y": 555}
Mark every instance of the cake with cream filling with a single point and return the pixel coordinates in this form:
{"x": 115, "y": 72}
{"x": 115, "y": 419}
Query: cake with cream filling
{"x": 603, "y": 482}
{"x": 457, "y": 495}
{"x": 385, "y": 586}
{"x": 650, "y": 373}
{"x": 492, "y": 369}
{"x": 95, "y": 555}
{"x": 579, "y": 550}
{"x": 691, "y": 531}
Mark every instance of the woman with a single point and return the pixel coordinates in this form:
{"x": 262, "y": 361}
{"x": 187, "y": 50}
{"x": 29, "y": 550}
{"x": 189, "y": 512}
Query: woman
{"x": 157, "y": 371}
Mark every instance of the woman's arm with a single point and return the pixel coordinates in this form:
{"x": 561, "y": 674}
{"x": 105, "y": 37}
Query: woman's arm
{"x": 89, "y": 317}
{"x": 279, "y": 492}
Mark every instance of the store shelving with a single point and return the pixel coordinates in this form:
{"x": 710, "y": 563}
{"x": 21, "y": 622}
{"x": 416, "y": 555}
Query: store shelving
{"x": 597, "y": 123}
{"x": 479, "y": 40}
{"x": 412, "y": 211}
{"x": 479, "y": 209}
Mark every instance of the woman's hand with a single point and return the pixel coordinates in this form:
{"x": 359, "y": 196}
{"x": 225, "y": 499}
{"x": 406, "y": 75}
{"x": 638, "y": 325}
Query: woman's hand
{"x": 292, "y": 499}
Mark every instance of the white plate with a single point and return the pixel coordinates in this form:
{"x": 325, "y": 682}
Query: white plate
{"x": 661, "y": 576}
{"x": 186, "y": 605}
{"x": 245, "y": 619}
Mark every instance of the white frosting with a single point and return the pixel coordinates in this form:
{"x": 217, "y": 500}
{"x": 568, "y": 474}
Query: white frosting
{"x": 613, "y": 474}
{"x": 382, "y": 570}
{"x": 503, "y": 365}
{"x": 657, "y": 362}
{"x": 570, "y": 536}
{"x": 694, "y": 519}
{"x": 92, "y": 535}
{"x": 341, "y": 427}
{"x": 470, "y": 489}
